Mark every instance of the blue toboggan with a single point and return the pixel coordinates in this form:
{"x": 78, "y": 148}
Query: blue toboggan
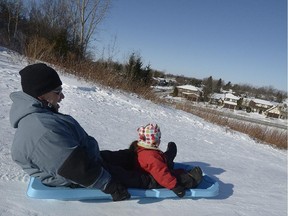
{"x": 207, "y": 188}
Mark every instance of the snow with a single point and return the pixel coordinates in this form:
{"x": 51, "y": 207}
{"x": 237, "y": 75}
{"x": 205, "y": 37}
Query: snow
{"x": 264, "y": 102}
{"x": 231, "y": 96}
{"x": 252, "y": 176}
{"x": 189, "y": 87}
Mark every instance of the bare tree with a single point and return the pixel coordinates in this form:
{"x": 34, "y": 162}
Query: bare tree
{"x": 88, "y": 14}
{"x": 111, "y": 50}
{"x": 58, "y": 13}
{"x": 77, "y": 18}
{"x": 13, "y": 8}
{"x": 18, "y": 9}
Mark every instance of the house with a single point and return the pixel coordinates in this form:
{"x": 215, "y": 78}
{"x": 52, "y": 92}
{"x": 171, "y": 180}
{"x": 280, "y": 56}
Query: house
{"x": 246, "y": 102}
{"x": 217, "y": 98}
{"x": 278, "y": 111}
{"x": 230, "y": 101}
{"x": 284, "y": 110}
{"x": 259, "y": 105}
{"x": 159, "y": 81}
{"x": 189, "y": 92}
{"x": 273, "y": 112}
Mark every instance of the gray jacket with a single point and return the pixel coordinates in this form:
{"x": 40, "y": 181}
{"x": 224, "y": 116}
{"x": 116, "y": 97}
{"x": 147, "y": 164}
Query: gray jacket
{"x": 53, "y": 146}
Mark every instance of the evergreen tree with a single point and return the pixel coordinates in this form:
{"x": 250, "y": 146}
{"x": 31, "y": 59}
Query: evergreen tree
{"x": 279, "y": 97}
{"x": 228, "y": 86}
{"x": 146, "y": 75}
{"x": 219, "y": 86}
{"x": 208, "y": 88}
{"x": 196, "y": 82}
{"x": 135, "y": 73}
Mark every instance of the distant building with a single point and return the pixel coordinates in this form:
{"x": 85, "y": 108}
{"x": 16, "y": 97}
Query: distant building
{"x": 278, "y": 111}
{"x": 230, "y": 101}
{"x": 259, "y": 105}
{"x": 158, "y": 81}
{"x": 227, "y": 100}
{"x": 189, "y": 92}
{"x": 217, "y": 98}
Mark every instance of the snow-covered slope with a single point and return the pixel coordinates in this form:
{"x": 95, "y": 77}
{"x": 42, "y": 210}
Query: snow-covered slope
{"x": 252, "y": 176}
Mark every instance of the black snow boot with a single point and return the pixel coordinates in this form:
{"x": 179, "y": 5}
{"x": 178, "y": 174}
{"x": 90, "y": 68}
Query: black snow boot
{"x": 197, "y": 174}
{"x": 170, "y": 154}
{"x": 191, "y": 179}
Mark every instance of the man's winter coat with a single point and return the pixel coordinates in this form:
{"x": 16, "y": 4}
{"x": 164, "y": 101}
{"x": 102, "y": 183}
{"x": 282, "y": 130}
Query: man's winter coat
{"x": 53, "y": 146}
{"x": 154, "y": 162}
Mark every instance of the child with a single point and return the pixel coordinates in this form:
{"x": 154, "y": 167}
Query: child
{"x": 152, "y": 160}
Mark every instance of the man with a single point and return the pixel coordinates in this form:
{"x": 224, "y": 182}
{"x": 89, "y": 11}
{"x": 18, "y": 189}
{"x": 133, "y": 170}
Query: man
{"x": 52, "y": 146}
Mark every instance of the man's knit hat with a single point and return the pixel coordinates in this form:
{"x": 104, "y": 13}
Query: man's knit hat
{"x": 38, "y": 79}
{"x": 149, "y": 136}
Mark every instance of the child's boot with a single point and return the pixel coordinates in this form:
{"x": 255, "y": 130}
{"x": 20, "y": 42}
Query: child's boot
{"x": 197, "y": 174}
{"x": 170, "y": 154}
{"x": 191, "y": 179}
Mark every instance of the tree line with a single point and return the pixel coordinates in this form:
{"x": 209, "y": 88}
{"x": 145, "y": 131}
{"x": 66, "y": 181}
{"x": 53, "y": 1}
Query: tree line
{"x": 60, "y": 32}
{"x": 210, "y": 86}
{"x": 67, "y": 25}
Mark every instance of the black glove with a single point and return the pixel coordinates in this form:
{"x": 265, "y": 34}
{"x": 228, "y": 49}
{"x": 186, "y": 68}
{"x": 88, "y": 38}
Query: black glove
{"x": 179, "y": 191}
{"x": 117, "y": 191}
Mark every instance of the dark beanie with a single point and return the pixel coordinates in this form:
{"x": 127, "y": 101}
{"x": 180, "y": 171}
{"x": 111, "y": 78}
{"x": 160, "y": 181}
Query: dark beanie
{"x": 38, "y": 79}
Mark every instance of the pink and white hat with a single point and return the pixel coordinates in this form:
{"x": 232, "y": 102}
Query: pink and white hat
{"x": 149, "y": 136}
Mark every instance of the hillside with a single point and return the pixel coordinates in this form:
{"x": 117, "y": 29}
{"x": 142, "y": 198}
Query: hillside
{"x": 252, "y": 176}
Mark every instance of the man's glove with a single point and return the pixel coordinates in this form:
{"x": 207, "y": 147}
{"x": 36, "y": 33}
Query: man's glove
{"x": 179, "y": 191}
{"x": 117, "y": 191}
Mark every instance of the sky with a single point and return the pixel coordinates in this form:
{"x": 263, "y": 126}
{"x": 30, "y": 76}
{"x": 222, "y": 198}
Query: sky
{"x": 241, "y": 41}
{"x": 252, "y": 176}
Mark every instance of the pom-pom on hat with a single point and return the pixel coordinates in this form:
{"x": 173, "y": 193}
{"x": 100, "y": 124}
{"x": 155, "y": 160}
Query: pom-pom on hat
{"x": 38, "y": 79}
{"x": 149, "y": 136}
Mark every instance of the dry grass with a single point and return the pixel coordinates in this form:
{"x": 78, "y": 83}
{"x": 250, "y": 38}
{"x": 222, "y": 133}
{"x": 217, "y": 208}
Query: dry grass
{"x": 268, "y": 135}
{"x": 39, "y": 48}
{"x": 103, "y": 73}
{"x": 107, "y": 76}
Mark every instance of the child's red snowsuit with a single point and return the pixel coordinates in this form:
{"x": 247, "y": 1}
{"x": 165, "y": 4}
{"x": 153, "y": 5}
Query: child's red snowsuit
{"x": 154, "y": 162}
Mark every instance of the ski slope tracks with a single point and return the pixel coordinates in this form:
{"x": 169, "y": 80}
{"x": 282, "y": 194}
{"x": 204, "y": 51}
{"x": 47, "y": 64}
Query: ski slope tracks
{"x": 252, "y": 176}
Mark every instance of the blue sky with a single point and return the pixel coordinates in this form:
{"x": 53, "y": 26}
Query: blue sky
{"x": 242, "y": 41}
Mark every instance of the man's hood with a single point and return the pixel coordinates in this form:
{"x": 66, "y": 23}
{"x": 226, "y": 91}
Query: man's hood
{"x": 23, "y": 105}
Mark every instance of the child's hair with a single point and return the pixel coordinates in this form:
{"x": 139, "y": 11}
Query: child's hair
{"x": 133, "y": 146}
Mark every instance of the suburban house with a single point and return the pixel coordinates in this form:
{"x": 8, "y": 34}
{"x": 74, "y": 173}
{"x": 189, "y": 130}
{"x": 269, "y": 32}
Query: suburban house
{"x": 217, "y": 98}
{"x": 284, "y": 110}
{"x": 227, "y": 100}
{"x": 230, "y": 101}
{"x": 189, "y": 92}
{"x": 259, "y": 105}
{"x": 278, "y": 111}
{"x": 158, "y": 81}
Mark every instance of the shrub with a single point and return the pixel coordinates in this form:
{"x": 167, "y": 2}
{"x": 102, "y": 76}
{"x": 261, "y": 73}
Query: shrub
{"x": 39, "y": 48}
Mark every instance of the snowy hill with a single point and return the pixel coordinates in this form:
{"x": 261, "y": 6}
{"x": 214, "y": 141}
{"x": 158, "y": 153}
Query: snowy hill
{"x": 252, "y": 176}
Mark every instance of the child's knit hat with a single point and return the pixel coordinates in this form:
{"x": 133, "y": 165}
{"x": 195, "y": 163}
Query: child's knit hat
{"x": 149, "y": 136}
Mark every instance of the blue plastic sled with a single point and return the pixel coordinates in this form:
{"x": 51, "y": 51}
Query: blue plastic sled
{"x": 207, "y": 188}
